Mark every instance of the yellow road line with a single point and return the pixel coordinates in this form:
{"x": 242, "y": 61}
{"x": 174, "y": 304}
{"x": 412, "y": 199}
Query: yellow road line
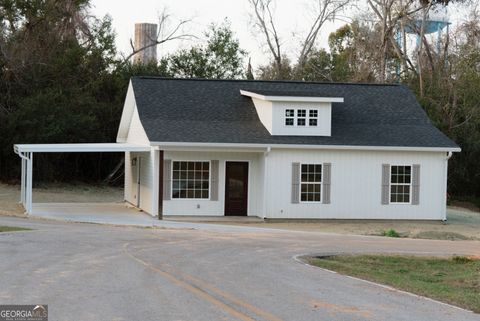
{"x": 204, "y": 295}
{"x": 266, "y": 315}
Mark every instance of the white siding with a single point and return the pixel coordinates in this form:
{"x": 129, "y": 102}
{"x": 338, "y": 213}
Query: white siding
{"x": 136, "y": 132}
{"x": 264, "y": 111}
{"x": 216, "y": 208}
{"x": 127, "y": 113}
{"x": 146, "y": 182}
{"x": 356, "y": 185}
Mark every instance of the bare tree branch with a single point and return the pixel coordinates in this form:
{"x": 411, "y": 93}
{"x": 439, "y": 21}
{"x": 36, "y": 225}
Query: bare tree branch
{"x": 326, "y": 10}
{"x": 263, "y": 19}
{"x": 173, "y": 34}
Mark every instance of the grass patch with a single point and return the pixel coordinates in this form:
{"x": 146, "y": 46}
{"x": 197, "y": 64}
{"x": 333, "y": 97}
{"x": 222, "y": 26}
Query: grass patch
{"x": 391, "y": 233}
{"x": 12, "y": 228}
{"x": 453, "y": 280}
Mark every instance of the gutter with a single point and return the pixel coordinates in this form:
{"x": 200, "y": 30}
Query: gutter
{"x": 300, "y": 146}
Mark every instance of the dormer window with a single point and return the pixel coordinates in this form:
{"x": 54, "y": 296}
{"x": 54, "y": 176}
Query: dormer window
{"x": 313, "y": 117}
{"x": 301, "y": 114}
{"x": 294, "y": 113}
{"x": 301, "y": 117}
{"x": 289, "y": 117}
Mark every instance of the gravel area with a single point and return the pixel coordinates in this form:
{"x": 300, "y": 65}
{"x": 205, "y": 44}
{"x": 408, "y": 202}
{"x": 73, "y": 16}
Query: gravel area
{"x": 57, "y": 193}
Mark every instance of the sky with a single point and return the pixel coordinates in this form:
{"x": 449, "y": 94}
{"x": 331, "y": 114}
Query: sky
{"x": 292, "y": 16}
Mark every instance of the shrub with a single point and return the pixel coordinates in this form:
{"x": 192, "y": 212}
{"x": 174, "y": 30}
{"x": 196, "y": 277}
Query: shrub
{"x": 391, "y": 233}
{"x": 461, "y": 259}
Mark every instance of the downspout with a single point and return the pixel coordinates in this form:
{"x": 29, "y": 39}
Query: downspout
{"x": 449, "y": 155}
{"x": 265, "y": 182}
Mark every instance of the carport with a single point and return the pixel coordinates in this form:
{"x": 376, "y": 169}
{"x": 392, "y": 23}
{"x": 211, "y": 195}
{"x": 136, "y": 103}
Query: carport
{"x": 26, "y": 151}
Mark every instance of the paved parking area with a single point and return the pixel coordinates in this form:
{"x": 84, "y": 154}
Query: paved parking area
{"x": 203, "y": 272}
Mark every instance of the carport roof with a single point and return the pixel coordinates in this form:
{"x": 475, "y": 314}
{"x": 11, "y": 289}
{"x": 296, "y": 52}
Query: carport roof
{"x": 80, "y": 148}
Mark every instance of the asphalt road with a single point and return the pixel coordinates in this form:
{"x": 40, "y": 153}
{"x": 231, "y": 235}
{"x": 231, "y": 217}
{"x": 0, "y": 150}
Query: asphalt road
{"x": 94, "y": 272}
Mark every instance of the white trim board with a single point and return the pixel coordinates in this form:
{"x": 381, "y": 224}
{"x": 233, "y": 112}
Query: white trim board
{"x": 80, "y": 148}
{"x": 292, "y": 98}
{"x": 263, "y": 147}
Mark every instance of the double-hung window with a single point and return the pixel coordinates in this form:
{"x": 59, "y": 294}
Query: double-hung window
{"x": 400, "y": 183}
{"x": 191, "y": 180}
{"x": 311, "y": 182}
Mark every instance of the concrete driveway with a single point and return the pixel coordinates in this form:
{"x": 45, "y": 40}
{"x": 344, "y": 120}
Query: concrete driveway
{"x": 95, "y": 272}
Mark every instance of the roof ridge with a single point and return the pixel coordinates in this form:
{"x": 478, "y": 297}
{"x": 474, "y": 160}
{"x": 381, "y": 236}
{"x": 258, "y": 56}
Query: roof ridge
{"x": 268, "y": 81}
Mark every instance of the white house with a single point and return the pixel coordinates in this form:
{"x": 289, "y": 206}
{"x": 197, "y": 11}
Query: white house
{"x": 278, "y": 149}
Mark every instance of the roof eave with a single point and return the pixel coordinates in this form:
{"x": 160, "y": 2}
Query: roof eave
{"x": 300, "y": 146}
{"x": 293, "y": 98}
{"x": 80, "y": 148}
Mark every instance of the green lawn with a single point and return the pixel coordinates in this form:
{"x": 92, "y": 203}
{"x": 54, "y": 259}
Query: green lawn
{"x": 12, "y": 228}
{"x": 453, "y": 280}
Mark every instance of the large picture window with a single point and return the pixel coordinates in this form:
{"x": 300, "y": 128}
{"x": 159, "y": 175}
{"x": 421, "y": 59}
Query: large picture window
{"x": 311, "y": 182}
{"x": 191, "y": 180}
{"x": 400, "y": 184}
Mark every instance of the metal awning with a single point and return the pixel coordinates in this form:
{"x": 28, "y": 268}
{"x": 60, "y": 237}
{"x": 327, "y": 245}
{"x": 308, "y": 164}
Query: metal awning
{"x": 80, "y": 148}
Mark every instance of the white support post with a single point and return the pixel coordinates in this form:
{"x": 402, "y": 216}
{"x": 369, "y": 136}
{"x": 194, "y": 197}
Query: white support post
{"x": 29, "y": 182}
{"x": 154, "y": 154}
{"x": 22, "y": 185}
{"x": 265, "y": 183}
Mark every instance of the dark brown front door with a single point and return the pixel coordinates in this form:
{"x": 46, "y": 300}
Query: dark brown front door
{"x": 236, "y": 188}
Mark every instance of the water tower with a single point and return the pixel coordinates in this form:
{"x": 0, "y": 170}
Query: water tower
{"x": 436, "y": 22}
{"x": 145, "y": 37}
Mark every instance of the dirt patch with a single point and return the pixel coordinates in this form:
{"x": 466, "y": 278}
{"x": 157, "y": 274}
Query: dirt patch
{"x": 334, "y": 309}
{"x": 440, "y": 235}
{"x": 57, "y": 193}
{"x": 462, "y": 224}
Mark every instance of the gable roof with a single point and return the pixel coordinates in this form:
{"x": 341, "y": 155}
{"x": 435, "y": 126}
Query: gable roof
{"x": 214, "y": 111}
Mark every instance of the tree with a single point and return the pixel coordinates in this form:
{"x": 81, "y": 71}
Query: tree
{"x": 318, "y": 66}
{"x": 272, "y": 71}
{"x": 56, "y": 85}
{"x": 350, "y": 58}
{"x": 220, "y": 58}
{"x": 264, "y": 22}
{"x": 324, "y": 10}
{"x": 450, "y": 97}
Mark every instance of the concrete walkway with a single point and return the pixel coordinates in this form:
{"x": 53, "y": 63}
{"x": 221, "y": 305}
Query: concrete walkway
{"x": 121, "y": 214}
{"x": 100, "y": 213}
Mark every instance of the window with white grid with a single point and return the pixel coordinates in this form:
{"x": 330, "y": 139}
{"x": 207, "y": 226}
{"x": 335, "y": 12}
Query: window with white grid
{"x": 400, "y": 183}
{"x": 311, "y": 182}
{"x": 190, "y": 179}
{"x": 301, "y": 117}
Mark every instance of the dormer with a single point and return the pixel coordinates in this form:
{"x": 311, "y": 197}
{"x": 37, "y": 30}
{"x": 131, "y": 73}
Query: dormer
{"x": 294, "y": 113}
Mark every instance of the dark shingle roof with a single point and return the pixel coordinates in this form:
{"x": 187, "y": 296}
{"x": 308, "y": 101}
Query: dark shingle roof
{"x": 214, "y": 111}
